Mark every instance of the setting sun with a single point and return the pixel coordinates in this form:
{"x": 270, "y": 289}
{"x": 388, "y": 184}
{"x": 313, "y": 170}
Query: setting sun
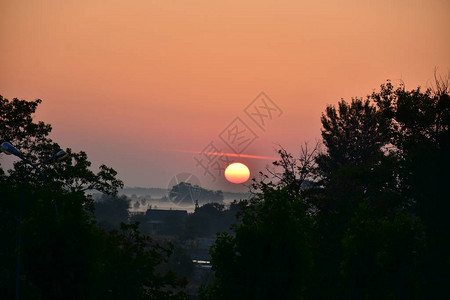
{"x": 237, "y": 173}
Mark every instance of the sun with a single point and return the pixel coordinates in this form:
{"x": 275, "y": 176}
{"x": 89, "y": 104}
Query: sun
{"x": 237, "y": 173}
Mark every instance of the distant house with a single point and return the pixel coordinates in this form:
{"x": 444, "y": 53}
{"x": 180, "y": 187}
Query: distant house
{"x": 162, "y": 220}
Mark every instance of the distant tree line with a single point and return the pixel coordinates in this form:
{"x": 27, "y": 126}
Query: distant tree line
{"x": 185, "y": 193}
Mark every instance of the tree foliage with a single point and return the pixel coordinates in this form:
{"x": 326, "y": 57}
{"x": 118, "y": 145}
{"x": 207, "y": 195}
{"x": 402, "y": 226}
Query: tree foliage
{"x": 269, "y": 256}
{"x": 111, "y": 211}
{"x": 372, "y": 222}
{"x": 51, "y": 229}
{"x": 134, "y": 272}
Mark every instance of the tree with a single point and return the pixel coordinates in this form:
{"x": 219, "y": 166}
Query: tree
{"x": 134, "y": 273}
{"x": 288, "y": 172}
{"x": 377, "y": 204}
{"x": 64, "y": 254}
{"x": 111, "y": 210}
{"x": 354, "y": 165}
{"x": 269, "y": 256}
{"x": 185, "y": 193}
{"x": 354, "y": 169}
{"x": 381, "y": 255}
{"x": 58, "y": 252}
{"x": 18, "y": 128}
{"x": 380, "y": 181}
{"x": 418, "y": 130}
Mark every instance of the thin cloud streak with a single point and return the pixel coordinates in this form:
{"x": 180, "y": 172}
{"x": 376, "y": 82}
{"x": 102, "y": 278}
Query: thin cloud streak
{"x": 228, "y": 154}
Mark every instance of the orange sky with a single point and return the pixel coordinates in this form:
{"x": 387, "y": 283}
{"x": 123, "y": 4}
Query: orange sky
{"x": 134, "y": 82}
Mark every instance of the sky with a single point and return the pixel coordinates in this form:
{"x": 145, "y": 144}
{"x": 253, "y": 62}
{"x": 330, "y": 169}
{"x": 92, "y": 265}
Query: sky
{"x": 147, "y": 87}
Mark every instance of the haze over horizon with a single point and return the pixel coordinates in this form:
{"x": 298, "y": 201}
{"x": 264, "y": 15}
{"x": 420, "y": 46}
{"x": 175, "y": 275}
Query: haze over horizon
{"x": 145, "y": 86}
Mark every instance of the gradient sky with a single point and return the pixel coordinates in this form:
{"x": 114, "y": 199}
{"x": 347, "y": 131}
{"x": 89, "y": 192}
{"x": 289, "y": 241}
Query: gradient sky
{"x": 143, "y": 85}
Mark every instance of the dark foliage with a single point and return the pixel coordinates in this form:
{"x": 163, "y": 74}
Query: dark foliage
{"x": 49, "y": 231}
{"x": 371, "y": 223}
{"x": 111, "y": 211}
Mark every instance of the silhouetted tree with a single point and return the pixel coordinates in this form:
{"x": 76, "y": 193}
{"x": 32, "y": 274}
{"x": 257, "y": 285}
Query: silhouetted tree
{"x": 111, "y": 210}
{"x": 65, "y": 255}
{"x": 353, "y": 169}
{"x": 418, "y": 129}
{"x": 380, "y": 177}
{"x": 376, "y": 204}
{"x": 187, "y": 194}
{"x": 127, "y": 268}
{"x": 381, "y": 255}
{"x": 268, "y": 256}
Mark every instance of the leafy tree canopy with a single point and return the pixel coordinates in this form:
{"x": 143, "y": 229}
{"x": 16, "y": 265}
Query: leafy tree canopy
{"x": 62, "y": 252}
